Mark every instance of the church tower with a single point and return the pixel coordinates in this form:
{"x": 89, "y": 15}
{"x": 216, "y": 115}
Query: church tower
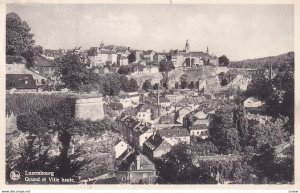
{"x": 207, "y": 51}
{"x": 187, "y": 46}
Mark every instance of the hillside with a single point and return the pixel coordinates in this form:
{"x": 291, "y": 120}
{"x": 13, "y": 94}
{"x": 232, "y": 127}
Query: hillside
{"x": 277, "y": 61}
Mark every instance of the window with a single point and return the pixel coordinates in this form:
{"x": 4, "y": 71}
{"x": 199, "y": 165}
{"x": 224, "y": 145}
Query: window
{"x": 145, "y": 175}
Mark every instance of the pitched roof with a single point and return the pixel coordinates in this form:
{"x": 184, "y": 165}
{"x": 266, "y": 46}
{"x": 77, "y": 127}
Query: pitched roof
{"x": 153, "y": 142}
{"x": 199, "y": 127}
{"x": 145, "y": 106}
{"x": 146, "y": 164}
{"x": 148, "y": 52}
{"x": 161, "y": 99}
{"x": 18, "y": 81}
{"x": 175, "y": 131}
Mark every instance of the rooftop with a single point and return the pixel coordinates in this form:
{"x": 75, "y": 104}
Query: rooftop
{"x": 20, "y": 81}
{"x": 176, "y": 131}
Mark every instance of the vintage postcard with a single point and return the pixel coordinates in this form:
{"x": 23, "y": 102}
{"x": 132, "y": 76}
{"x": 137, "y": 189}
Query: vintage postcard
{"x": 143, "y": 94}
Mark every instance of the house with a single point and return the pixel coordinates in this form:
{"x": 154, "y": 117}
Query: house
{"x": 100, "y": 56}
{"x": 21, "y": 82}
{"x": 163, "y": 101}
{"x": 138, "y": 55}
{"x": 181, "y": 113}
{"x": 134, "y": 131}
{"x": 130, "y": 99}
{"x": 252, "y": 102}
{"x": 174, "y": 98}
{"x": 159, "y": 56}
{"x": 175, "y": 134}
{"x": 135, "y": 168}
{"x": 120, "y": 148}
{"x": 122, "y": 60}
{"x": 148, "y": 56}
{"x": 155, "y": 146}
{"x": 194, "y": 116}
{"x": 199, "y": 130}
{"x": 191, "y": 101}
{"x": 21, "y": 69}
{"x": 146, "y": 111}
{"x": 187, "y": 58}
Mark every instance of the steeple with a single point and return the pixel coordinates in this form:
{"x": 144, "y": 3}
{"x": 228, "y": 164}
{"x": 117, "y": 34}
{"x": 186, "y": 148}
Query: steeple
{"x": 187, "y": 46}
{"x": 207, "y": 51}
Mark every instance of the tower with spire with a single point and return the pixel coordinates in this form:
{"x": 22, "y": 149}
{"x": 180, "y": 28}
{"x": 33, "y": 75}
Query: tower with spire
{"x": 187, "y": 46}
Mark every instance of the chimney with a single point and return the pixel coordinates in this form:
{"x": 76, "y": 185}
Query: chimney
{"x": 138, "y": 162}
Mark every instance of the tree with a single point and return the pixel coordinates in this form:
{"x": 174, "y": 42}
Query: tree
{"x": 223, "y": 133}
{"x": 184, "y": 81}
{"x": 112, "y": 85}
{"x": 203, "y": 148}
{"x": 281, "y": 101}
{"x": 125, "y": 70}
{"x": 132, "y": 85}
{"x": 272, "y": 133}
{"x": 259, "y": 87}
{"x": 73, "y": 71}
{"x": 166, "y": 66}
{"x": 39, "y": 50}
{"x": 240, "y": 122}
{"x": 147, "y": 85}
{"x": 131, "y": 58}
{"x": 223, "y": 60}
{"x": 19, "y": 40}
{"x": 176, "y": 167}
{"x": 155, "y": 86}
{"x": 191, "y": 85}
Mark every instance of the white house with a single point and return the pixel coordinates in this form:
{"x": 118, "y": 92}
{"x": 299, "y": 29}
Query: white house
{"x": 144, "y": 116}
{"x": 175, "y": 135}
{"x": 252, "y": 102}
{"x": 120, "y": 148}
{"x": 130, "y": 99}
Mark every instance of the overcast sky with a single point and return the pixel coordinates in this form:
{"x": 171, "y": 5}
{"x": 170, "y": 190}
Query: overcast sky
{"x": 238, "y": 31}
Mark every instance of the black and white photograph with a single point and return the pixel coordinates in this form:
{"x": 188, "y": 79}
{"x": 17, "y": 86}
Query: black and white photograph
{"x": 149, "y": 94}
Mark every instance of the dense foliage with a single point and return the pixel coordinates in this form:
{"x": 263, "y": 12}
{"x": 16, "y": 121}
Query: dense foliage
{"x": 223, "y": 61}
{"x": 50, "y": 114}
{"x": 176, "y": 167}
{"x": 76, "y": 76}
{"x": 19, "y": 41}
{"x": 276, "y": 61}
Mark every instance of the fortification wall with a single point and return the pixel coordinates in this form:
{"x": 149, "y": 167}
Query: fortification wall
{"x": 89, "y": 108}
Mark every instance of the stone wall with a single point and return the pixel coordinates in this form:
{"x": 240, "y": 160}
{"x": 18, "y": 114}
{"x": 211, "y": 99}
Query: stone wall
{"x": 89, "y": 108}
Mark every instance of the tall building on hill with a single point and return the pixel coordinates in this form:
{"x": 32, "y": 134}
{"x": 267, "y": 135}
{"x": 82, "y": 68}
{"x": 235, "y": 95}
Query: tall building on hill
{"x": 188, "y": 58}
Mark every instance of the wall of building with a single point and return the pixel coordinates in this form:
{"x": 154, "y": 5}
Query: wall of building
{"x": 89, "y": 108}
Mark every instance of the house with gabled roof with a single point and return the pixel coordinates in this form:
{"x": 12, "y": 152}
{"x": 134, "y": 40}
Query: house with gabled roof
{"x": 155, "y": 146}
{"x": 135, "y": 168}
{"x": 148, "y": 56}
{"x": 134, "y": 131}
{"x": 175, "y": 134}
{"x": 21, "y": 82}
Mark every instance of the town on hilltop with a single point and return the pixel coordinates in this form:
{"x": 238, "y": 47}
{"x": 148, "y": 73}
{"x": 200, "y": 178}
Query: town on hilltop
{"x": 113, "y": 114}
